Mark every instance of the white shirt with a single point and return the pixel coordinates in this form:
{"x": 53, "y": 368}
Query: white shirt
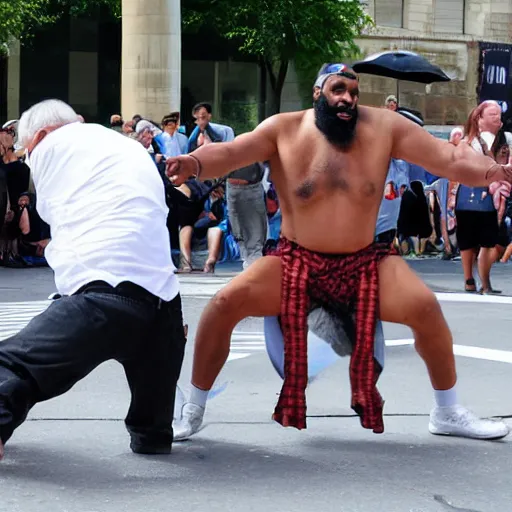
{"x": 105, "y": 203}
{"x": 488, "y": 138}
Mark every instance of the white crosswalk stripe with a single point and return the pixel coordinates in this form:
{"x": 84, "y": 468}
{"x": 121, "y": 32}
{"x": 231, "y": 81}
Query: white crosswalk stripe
{"x": 16, "y": 315}
{"x": 201, "y": 286}
{"x": 245, "y": 344}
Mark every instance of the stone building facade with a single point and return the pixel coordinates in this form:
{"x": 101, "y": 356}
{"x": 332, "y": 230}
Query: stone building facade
{"x": 448, "y": 33}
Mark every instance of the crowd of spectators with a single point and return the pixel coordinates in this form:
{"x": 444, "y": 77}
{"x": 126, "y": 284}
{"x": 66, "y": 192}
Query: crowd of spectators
{"x": 232, "y": 218}
{"x": 23, "y": 235}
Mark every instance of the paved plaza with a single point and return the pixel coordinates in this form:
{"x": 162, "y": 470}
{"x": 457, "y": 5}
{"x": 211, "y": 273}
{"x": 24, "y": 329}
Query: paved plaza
{"x": 73, "y": 453}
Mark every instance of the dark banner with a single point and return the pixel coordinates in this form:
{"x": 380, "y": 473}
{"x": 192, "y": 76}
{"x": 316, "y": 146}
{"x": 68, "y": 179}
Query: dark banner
{"x": 495, "y": 81}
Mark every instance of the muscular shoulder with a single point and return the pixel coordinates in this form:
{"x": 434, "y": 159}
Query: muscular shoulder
{"x": 377, "y": 117}
{"x": 284, "y": 120}
{"x": 279, "y": 125}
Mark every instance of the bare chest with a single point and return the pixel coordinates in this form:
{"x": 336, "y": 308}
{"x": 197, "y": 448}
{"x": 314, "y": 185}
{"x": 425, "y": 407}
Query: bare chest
{"x": 332, "y": 172}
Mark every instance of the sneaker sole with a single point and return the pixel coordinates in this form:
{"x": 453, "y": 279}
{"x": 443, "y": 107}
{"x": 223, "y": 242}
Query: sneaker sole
{"x": 438, "y": 432}
{"x": 182, "y": 438}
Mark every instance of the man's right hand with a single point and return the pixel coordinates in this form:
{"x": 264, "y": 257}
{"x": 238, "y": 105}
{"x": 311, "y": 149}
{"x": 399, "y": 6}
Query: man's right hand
{"x": 180, "y": 169}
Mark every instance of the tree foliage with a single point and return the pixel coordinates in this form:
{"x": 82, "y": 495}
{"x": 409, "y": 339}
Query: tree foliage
{"x": 85, "y": 7}
{"x": 310, "y": 32}
{"x": 19, "y": 17}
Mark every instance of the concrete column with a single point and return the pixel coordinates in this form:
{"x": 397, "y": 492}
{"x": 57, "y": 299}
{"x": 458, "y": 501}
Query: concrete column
{"x": 13, "y": 80}
{"x": 151, "y": 58}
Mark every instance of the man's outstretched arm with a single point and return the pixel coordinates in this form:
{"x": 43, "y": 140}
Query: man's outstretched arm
{"x": 216, "y": 160}
{"x": 458, "y": 163}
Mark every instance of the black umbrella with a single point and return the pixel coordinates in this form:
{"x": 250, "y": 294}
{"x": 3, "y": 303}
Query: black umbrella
{"x": 402, "y": 65}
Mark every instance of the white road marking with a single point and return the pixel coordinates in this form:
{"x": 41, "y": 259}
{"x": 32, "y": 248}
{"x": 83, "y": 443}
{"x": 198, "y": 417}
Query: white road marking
{"x": 487, "y": 354}
{"x": 234, "y": 357}
{"x": 16, "y": 315}
{"x": 399, "y": 343}
{"x": 473, "y": 297}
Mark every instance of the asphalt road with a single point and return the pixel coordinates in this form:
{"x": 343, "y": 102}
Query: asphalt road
{"x": 73, "y": 454}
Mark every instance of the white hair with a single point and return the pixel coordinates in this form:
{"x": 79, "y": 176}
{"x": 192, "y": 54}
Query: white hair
{"x": 43, "y": 115}
{"x": 143, "y": 125}
{"x": 491, "y": 102}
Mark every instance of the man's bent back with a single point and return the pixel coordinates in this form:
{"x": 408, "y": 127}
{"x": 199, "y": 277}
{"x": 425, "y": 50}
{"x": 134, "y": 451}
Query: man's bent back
{"x": 104, "y": 201}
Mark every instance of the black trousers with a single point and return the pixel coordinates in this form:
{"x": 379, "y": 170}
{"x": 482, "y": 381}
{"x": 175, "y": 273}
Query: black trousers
{"x": 76, "y": 334}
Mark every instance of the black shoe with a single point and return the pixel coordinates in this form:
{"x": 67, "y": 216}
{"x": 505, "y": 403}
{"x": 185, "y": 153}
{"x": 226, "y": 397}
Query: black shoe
{"x": 470, "y": 286}
{"x": 150, "y": 449}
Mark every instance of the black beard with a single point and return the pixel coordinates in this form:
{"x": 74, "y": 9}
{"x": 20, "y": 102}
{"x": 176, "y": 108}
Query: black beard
{"x": 337, "y": 131}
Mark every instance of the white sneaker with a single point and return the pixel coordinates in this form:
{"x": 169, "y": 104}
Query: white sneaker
{"x": 190, "y": 422}
{"x": 459, "y": 421}
{"x": 179, "y": 402}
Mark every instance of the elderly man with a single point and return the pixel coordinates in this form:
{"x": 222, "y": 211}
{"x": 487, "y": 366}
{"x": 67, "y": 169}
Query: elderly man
{"x": 330, "y": 187}
{"x": 110, "y": 253}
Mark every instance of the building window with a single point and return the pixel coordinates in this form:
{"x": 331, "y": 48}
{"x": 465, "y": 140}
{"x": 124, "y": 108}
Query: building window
{"x": 389, "y": 13}
{"x": 449, "y": 16}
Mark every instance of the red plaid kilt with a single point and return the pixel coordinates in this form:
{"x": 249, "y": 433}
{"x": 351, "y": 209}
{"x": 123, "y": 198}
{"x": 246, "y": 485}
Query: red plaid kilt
{"x": 348, "y": 280}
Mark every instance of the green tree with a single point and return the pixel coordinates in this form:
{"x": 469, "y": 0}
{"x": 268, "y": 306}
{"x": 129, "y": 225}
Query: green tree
{"x": 85, "y": 7}
{"x": 310, "y": 32}
{"x": 19, "y": 17}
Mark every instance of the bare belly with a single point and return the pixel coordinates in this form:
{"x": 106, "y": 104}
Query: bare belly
{"x": 330, "y": 230}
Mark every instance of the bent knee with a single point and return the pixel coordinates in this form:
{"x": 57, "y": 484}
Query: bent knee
{"x": 232, "y": 302}
{"x": 227, "y": 300}
{"x": 425, "y": 310}
{"x": 248, "y": 298}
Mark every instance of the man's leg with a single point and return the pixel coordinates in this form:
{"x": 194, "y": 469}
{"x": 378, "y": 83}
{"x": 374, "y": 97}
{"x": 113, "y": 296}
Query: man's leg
{"x": 405, "y": 299}
{"x": 248, "y": 217}
{"x": 153, "y": 376}
{"x": 255, "y": 292}
{"x": 486, "y": 259}
{"x": 24, "y": 222}
{"x": 45, "y": 359}
{"x": 235, "y": 212}
{"x": 186, "y": 248}
{"x": 214, "y": 237}
{"x": 468, "y": 257}
{"x": 257, "y": 225}
{"x": 508, "y": 254}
